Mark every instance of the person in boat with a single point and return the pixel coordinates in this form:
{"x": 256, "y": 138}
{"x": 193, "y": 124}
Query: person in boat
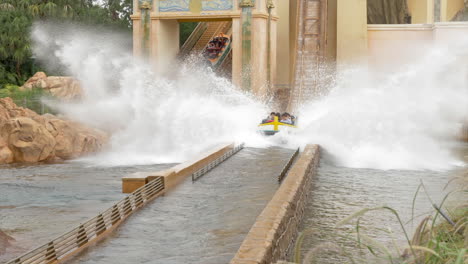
{"x": 270, "y": 118}
{"x": 286, "y": 118}
{"x": 211, "y": 51}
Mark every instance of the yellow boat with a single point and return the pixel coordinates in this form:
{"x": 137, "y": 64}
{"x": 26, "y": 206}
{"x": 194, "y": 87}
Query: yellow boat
{"x": 275, "y": 126}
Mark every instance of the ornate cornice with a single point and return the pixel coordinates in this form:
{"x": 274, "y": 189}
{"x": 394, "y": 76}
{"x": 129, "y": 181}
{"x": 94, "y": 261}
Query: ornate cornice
{"x": 246, "y": 3}
{"x": 270, "y": 4}
{"x": 145, "y": 5}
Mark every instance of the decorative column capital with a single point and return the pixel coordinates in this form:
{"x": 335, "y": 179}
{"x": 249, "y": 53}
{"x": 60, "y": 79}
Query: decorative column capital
{"x": 270, "y": 4}
{"x": 145, "y": 4}
{"x": 246, "y": 3}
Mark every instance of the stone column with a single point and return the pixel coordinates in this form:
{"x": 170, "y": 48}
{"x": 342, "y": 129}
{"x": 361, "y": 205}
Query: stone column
{"x": 246, "y": 19}
{"x": 141, "y": 27}
{"x": 351, "y": 32}
{"x": 260, "y": 53}
{"x": 164, "y": 43}
{"x": 136, "y": 19}
{"x": 270, "y": 6}
{"x": 237, "y": 52}
{"x": 136, "y": 35}
{"x": 145, "y": 7}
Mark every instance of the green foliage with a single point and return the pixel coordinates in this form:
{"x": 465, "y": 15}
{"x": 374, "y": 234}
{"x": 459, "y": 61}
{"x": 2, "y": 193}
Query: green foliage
{"x": 186, "y": 28}
{"x": 13, "y": 91}
{"x": 17, "y": 16}
{"x": 31, "y": 99}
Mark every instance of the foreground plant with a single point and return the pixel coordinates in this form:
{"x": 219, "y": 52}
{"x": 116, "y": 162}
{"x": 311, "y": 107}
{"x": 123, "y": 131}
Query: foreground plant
{"x": 439, "y": 238}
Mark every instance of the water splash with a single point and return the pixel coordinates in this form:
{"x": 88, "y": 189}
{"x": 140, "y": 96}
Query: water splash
{"x": 401, "y": 120}
{"x": 153, "y": 118}
{"x": 398, "y": 120}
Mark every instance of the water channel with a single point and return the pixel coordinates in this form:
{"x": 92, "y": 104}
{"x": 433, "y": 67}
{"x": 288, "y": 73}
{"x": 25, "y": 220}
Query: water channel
{"x": 339, "y": 192}
{"x": 41, "y": 202}
{"x": 200, "y": 222}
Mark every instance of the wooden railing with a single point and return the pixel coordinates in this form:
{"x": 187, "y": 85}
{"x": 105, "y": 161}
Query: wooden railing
{"x": 82, "y": 236}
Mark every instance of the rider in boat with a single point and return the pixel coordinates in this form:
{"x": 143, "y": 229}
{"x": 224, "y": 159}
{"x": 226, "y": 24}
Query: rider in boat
{"x": 286, "y": 118}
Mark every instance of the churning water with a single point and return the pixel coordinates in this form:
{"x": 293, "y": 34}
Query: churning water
{"x": 404, "y": 120}
{"x": 401, "y": 120}
{"x": 154, "y": 118}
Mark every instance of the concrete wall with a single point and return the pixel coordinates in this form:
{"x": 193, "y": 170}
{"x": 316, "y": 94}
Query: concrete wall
{"x": 447, "y": 32}
{"x": 269, "y": 238}
{"x": 390, "y": 46}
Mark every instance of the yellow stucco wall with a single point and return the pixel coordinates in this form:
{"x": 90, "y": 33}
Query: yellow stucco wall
{"x": 449, "y": 8}
{"x": 422, "y": 11}
{"x": 351, "y": 31}
{"x": 282, "y": 42}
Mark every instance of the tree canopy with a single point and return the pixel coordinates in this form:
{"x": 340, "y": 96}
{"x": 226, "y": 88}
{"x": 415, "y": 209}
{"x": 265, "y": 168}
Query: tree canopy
{"x": 17, "y": 17}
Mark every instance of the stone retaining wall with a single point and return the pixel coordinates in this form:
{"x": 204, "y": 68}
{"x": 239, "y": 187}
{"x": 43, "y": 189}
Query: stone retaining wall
{"x": 276, "y": 227}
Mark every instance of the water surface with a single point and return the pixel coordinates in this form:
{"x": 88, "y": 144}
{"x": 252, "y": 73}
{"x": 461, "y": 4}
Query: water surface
{"x": 40, "y": 202}
{"x": 338, "y": 192}
{"x": 201, "y": 222}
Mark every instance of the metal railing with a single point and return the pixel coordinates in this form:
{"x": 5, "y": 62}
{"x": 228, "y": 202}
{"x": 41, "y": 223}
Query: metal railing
{"x": 193, "y": 39}
{"x": 81, "y": 237}
{"x": 216, "y": 162}
{"x": 287, "y": 166}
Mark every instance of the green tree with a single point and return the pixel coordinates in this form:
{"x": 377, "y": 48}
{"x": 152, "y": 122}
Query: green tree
{"x": 17, "y": 16}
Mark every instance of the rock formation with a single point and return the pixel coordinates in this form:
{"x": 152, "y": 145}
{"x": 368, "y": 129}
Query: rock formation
{"x": 28, "y": 137}
{"x": 66, "y": 88}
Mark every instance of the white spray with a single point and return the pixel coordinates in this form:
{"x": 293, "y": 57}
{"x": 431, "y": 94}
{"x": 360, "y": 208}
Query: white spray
{"x": 401, "y": 121}
{"x": 152, "y": 118}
